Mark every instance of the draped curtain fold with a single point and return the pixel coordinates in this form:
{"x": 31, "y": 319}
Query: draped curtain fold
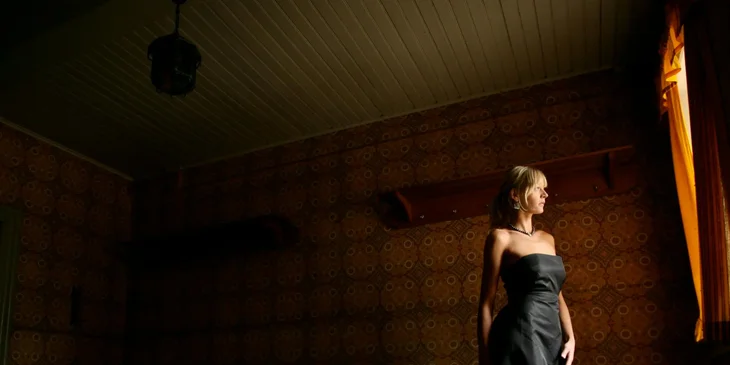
{"x": 701, "y": 156}
{"x": 711, "y": 158}
{"x": 682, "y": 154}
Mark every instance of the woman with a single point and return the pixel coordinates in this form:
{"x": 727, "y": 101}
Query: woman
{"x": 534, "y": 328}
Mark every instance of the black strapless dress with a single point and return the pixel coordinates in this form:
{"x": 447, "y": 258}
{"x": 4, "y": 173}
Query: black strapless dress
{"x": 527, "y": 330}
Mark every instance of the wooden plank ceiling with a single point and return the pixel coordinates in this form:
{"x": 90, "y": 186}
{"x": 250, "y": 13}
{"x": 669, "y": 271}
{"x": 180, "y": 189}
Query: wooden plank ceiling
{"x": 278, "y": 71}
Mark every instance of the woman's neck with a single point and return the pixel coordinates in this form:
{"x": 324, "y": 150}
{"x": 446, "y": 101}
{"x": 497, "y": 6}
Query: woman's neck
{"x": 523, "y": 221}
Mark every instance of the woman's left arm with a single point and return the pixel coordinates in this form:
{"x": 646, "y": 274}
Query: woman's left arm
{"x": 568, "y": 334}
{"x": 565, "y": 322}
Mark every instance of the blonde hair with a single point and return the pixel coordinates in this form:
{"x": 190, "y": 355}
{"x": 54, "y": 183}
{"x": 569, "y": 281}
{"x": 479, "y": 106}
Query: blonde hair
{"x": 522, "y": 179}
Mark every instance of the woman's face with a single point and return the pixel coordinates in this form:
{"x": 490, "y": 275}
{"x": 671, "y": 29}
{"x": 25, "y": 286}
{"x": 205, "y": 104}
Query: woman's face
{"x": 536, "y": 197}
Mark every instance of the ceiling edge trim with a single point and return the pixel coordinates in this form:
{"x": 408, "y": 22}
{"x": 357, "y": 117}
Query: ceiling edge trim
{"x": 438, "y": 105}
{"x": 65, "y": 149}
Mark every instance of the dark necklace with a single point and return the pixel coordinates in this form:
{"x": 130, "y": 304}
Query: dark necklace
{"x": 522, "y": 231}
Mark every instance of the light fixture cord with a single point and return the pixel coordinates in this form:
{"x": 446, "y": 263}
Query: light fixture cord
{"x": 177, "y": 17}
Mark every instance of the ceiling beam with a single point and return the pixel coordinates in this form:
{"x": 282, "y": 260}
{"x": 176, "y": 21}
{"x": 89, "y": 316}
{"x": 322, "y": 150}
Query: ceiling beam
{"x": 109, "y": 21}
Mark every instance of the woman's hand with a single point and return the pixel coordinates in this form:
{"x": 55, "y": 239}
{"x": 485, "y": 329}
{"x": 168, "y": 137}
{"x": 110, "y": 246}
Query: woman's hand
{"x": 568, "y": 351}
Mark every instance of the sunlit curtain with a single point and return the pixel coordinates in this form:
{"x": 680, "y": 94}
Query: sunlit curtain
{"x": 711, "y": 152}
{"x": 675, "y": 103}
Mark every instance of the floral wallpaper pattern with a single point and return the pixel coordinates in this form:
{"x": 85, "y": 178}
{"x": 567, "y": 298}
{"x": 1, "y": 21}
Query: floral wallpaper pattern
{"x": 355, "y": 292}
{"x": 72, "y": 212}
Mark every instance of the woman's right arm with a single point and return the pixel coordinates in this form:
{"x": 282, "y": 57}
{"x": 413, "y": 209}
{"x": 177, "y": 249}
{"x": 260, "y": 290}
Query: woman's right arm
{"x": 493, "y": 249}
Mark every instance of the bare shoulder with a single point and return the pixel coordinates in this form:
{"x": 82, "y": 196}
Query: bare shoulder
{"x": 547, "y": 237}
{"x": 497, "y": 239}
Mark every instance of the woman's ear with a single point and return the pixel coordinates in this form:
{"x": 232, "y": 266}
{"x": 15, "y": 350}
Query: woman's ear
{"x": 513, "y": 195}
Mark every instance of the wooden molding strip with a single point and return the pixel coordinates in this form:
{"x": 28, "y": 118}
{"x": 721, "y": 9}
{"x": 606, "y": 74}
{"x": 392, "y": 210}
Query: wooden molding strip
{"x": 585, "y": 176}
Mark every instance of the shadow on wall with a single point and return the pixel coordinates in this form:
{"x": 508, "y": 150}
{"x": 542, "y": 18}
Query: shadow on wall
{"x": 229, "y": 239}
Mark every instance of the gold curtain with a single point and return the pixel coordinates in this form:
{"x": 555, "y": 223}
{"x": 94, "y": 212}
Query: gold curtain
{"x": 682, "y": 155}
{"x": 711, "y": 160}
{"x": 700, "y": 141}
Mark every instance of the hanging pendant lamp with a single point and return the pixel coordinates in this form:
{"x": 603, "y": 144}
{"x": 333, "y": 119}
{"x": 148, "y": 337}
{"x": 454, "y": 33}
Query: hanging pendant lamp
{"x": 175, "y": 61}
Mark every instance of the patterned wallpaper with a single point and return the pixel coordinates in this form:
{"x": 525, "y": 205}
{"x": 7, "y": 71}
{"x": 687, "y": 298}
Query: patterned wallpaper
{"x": 354, "y": 292}
{"x": 72, "y": 211}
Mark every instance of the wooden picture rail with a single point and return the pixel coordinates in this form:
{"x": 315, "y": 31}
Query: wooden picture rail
{"x": 586, "y": 176}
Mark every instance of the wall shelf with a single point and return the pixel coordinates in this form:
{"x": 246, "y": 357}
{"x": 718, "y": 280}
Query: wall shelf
{"x": 591, "y": 175}
{"x": 262, "y": 233}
